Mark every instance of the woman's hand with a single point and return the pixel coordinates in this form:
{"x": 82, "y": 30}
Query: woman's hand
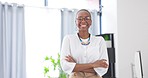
{"x": 70, "y": 59}
{"x": 100, "y": 63}
{"x": 89, "y": 70}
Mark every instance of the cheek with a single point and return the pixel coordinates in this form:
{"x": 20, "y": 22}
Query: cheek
{"x": 77, "y": 23}
{"x": 89, "y": 23}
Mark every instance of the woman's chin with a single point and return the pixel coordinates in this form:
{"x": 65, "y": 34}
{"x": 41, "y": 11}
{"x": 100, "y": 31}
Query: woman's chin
{"x": 84, "y": 29}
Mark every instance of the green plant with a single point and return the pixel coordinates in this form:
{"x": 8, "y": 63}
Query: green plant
{"x": 55, "y": 65}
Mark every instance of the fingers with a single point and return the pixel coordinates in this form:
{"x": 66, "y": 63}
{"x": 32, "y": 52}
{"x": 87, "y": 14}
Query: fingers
{"x": 100, "y": 63}
{"x": 104, "y": 60}
{"x": 103, "y": 63}
{"x": 69, "y": 59}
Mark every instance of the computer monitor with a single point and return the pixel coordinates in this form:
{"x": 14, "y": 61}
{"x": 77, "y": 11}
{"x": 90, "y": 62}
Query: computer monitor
{"x": 138, "y": 65}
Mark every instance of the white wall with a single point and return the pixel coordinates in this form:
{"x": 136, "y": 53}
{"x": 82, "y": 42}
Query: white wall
{"x": 130, "y": 27}
{"x": 109, "y": 23}
{"x": 132, "y": 23}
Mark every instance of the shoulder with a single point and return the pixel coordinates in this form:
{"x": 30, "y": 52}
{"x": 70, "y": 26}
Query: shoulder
{"x": 98, "y": 38}
{"x": 70, "y": 36}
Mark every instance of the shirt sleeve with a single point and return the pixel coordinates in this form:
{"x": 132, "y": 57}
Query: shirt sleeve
{"x": 67, "y": 67}
{"x": 103, "y": 55}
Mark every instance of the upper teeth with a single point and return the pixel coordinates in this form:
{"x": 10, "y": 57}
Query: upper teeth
{"x": 83, "y": 25}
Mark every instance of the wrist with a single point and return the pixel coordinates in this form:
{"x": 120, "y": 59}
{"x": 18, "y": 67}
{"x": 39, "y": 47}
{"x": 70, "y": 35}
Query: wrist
{"x": 92, "y": 65}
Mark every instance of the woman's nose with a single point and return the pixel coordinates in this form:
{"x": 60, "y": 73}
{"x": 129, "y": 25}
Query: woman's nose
{"x": 83, "y": 20}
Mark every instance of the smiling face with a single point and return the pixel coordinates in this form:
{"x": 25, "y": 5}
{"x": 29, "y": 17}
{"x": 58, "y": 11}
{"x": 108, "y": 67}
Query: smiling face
{"x": 83, "y": 20}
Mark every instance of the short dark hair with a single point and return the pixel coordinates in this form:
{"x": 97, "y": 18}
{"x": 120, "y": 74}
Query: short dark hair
{"x": 83, "y": 10}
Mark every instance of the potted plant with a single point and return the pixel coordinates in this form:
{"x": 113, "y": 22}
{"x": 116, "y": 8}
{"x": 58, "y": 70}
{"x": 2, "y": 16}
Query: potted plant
{"x": 55, "y": 66}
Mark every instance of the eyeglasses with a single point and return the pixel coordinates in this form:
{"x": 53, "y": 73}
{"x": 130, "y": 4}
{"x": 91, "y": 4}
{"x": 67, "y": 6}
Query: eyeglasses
{"x": 85, "y": 18}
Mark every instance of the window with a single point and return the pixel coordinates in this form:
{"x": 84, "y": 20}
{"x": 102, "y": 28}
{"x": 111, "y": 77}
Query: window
{"x": 43, "y": 29}
{"x": 42, "y": 38}
{"x": 74, "y": 4}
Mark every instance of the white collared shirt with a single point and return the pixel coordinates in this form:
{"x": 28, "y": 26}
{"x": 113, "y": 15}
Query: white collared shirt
{"x": 82, "y": 54}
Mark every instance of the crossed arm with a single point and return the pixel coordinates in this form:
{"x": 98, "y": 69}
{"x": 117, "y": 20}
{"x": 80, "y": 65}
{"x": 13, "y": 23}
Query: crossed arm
{"x": 89, "y": 67}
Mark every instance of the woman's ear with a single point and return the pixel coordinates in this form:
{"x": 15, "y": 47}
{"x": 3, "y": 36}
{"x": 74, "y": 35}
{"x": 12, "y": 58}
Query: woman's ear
{"x": 91, "y": 22}
{"x": 76, "y": 22}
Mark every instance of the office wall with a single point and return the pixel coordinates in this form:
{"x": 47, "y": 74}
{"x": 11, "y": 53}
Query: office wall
{"x": 132, "y": 27}
{"x": 109, "y": 23}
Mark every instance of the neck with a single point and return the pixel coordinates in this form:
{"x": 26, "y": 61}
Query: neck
{"x": 83, "y": 35}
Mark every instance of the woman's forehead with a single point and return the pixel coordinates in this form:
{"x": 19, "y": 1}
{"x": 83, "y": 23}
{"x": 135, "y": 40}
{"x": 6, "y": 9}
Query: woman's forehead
{"x": 83, "y": 13}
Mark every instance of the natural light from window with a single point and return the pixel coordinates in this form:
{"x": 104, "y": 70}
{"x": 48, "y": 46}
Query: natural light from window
{"x": 42, "y": 39}
{"x": 43, "y": 30}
